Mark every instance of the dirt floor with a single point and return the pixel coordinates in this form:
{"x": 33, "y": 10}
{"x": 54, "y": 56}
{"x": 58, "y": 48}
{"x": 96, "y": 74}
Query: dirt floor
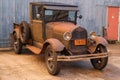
{"x": 28, "y": 66}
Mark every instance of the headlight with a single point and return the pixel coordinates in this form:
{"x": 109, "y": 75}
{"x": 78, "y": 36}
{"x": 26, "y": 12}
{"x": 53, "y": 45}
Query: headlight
{"x": 67, "y": 36}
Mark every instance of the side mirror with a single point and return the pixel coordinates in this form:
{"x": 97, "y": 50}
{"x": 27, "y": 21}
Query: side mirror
{"x": 80, "y": 16}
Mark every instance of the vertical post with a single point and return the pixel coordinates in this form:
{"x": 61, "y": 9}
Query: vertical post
{"x": 119, "y": 26}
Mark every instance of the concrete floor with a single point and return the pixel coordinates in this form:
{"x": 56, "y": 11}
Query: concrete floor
{"x": 28, "y": 66}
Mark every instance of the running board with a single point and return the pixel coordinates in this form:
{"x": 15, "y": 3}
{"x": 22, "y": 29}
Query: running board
{"x": 33, "y": 49}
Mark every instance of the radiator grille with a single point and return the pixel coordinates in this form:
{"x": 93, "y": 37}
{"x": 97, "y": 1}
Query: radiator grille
{"x": 78, "y": 33}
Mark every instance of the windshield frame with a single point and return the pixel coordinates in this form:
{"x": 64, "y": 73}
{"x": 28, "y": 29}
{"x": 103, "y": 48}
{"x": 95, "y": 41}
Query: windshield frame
{"x": 54, "y": 20}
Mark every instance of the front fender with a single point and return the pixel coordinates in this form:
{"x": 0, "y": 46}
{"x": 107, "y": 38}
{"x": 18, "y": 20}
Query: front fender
{"x": 56, "y": 44}
{"x": 101, "y": 40}
{"x": 97, "y": 41}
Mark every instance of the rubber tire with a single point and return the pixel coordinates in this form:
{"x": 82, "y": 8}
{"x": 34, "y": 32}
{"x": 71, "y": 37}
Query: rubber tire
{"x": 56, "y": 65}
{"x": 17, "y": 44}
{"x": 100, "y": 63}
{"x": 25, "y": 30}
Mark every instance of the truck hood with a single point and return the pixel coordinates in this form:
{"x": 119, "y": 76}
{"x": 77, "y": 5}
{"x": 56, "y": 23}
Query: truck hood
{"x": 61, "y": 26}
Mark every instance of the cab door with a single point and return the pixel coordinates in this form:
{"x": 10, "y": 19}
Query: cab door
{"x": 36, "y": 23}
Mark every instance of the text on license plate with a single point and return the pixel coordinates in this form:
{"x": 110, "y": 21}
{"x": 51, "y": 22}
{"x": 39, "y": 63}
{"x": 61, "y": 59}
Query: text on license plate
{"x": 80, "y": 42}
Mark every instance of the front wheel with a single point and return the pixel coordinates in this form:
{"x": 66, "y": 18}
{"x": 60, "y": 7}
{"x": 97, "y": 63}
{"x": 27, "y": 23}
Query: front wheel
{"x": 51, "y": 61}
{"x": 100, "y": 63}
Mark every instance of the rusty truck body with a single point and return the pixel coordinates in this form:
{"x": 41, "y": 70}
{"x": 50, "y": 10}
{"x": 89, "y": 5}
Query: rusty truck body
{"x": 53, "y": 31}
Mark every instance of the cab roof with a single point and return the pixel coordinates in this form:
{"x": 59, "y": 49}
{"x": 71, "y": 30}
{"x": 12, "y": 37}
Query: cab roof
{"x": 55, "y": 6}
{"x": 52, "y": 4}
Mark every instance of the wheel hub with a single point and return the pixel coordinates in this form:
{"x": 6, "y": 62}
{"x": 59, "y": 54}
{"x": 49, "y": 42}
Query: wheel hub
{"x": 50, "y": 59}
{"x": 99, "y": 61}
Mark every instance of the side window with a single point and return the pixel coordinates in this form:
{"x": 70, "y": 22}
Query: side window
{"x": 37, "y": 12}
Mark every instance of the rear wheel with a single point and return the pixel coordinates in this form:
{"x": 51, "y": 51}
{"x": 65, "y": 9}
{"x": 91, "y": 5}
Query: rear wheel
{"x": 17, "y": 44}
{"x": 100, "y": 63}
{"x": 51, "y": 61}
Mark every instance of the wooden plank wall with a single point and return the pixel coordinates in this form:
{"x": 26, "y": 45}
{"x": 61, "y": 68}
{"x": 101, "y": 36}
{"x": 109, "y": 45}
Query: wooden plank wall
{"x": 15, "y": 11}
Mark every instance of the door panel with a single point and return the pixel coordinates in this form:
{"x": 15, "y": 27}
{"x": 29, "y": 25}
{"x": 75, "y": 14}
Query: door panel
{"x": 36, "y": 29}
{"x": 113, "y": 16}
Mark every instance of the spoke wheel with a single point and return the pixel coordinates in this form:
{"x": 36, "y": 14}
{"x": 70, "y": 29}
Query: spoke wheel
{"x": 100, "y": 63}
{"x": 17, "y": 44}
{"x": 51, "y": 61}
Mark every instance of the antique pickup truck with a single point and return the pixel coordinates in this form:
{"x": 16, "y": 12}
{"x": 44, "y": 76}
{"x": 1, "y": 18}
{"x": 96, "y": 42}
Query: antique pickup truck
{"x": 53, "y": 31}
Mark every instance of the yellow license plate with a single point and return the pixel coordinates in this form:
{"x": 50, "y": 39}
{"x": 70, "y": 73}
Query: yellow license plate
{"x": 80, "y": 42}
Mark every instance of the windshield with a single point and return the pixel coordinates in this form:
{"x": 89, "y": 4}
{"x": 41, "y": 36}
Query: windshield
{"x": 60, "y": 15}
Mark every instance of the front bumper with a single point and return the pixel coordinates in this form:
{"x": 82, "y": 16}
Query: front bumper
{"x": 83, "y": 57}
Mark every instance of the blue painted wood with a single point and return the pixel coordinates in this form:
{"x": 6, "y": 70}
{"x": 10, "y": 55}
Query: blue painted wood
{"x": 0, "y": 18}
{"x": 14, "y": 11}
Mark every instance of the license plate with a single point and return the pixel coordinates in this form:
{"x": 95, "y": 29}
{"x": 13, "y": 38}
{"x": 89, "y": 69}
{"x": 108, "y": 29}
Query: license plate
{"x": 80, "y": 42}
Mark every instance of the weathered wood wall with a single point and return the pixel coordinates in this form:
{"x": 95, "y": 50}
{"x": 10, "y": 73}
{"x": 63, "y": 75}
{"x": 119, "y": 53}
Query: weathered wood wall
{"x": 94, "y": 14}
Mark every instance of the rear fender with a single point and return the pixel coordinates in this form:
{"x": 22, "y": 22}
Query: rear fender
{"x": 16, "y": 29}
{"x": 56, "y": 45}
{"x": 97, "y": 41}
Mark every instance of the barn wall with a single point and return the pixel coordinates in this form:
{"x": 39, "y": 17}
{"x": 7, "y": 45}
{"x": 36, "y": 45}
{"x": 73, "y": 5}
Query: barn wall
{"x": 94, "y": 14}
{"x": 6, "y": 19}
